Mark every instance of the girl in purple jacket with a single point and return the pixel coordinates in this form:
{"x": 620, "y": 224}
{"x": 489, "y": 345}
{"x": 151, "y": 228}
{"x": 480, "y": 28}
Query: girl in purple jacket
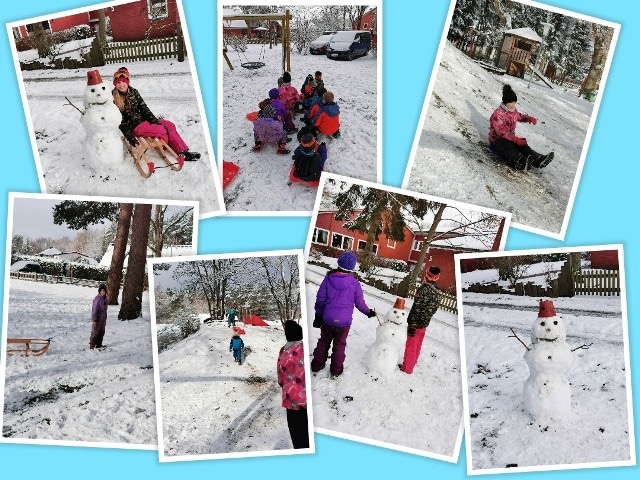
{"x": 502, "y": 135}
{"x": 338, "y": 294}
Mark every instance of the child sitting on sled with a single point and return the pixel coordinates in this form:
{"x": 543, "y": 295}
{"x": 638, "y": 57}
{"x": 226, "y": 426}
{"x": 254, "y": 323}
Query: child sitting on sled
{"x": 314, "y": 106}
{"x": 236, "y": 344}
{"x": 309, "y": 158}
{"x": 268, "y": 128}
{"x": 327, "y": 118}
{"x": 502, "y": 135}
{"x": 288, "y": 93}
{"x": 281, "y": 110}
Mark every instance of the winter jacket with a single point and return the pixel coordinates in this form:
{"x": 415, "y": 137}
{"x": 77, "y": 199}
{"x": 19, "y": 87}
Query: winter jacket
{"x": 502, "y": 123}
{"x": 135, "y": 112}
{"x": 291, "y": 376}
{"x": 315, "y": 104}
{"x": 236, "y": 343}
{"x": 280, "y": 109}
{"x": 327, "y": 119}
{"x": 289, "y": 95}
{"x": 425, "y": 305}
{"x": 268, "y": 110}
{"x": 339, "y": 292}
{"x": 309, "y": 161}
{"x": 232, "y": 313}
{"x": 99, "y": 309}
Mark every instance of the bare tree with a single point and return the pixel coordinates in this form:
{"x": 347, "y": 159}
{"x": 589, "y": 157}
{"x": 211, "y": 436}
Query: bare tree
{"x": 119, "y": 252}
{"x": 601, "y": 41}
{"x": 282, "y": 279}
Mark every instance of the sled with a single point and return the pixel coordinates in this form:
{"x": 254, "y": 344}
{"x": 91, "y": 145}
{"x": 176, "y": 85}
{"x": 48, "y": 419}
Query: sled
{"x": 238, "y": 330}
{"x": 251, "y": 116}
{"x": 294, "y": 179}
{"x": 28, "y": 346}
{"x": 229, "y": 172}
{"x": 141, "y": 159}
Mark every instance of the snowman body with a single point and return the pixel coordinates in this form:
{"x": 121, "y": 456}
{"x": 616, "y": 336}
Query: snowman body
{"x": 547, "y": 392}
{"x": 386, "y": 352}
{"x": 101, "y": 119}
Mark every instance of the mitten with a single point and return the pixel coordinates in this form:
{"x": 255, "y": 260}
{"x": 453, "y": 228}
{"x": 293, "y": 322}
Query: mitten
{"x": 371, "y": 314}
{"x": 531, "y": 120}
{"x": 519, "y": 141}
{"x": 411, "y": 331}
{"x": 317, "y": 321}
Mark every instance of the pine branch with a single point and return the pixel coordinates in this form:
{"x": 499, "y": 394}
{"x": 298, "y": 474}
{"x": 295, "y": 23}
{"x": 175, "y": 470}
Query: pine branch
{"x": 72, "y": 105}
{"x": 585, "y": 346}
{"x": 518, "y": 338}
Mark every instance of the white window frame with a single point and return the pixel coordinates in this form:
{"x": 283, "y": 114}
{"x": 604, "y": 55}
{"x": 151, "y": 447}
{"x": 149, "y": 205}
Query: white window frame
{"x": 342, "y": 247}
{"x": 162, "y": 12}
{"x": 314, "y": 239}
{"x": 374, "y": 249}
{"x": 391, "y": 243}
{"x": 417, "y": 245}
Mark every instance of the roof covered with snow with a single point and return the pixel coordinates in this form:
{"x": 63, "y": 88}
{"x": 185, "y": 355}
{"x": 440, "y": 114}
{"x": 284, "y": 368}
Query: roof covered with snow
{"x": 525, "y": 32}
{"x": 50, "y": 251}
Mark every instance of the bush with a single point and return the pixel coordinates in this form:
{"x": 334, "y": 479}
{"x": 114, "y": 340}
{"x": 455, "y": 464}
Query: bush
{"x": 55, "y": 267}
{"x": 188, "y": 325}
{"x": 24, "y": 44}
{"x": 237, "y": 42}
{"x": 168, "y": 335}
{"x": 397, "y": 265}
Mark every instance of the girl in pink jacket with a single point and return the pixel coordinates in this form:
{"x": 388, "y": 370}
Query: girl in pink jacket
{"x": 502, "y": 135}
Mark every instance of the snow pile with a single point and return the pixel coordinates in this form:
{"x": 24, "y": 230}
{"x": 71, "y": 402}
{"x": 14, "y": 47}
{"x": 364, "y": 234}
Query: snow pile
{"x": 262, "y": 181}
{"x": 168, "y": 89}
{"x": 501, "y": 432}
{"x": 71, "y": 393}
{"x": 452, "y": 159}
{"x": 420, "y": 413}
{"x": 212, "y": 405}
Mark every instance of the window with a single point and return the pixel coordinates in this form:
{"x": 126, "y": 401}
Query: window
{"x": 158, "y": 9}
{"x": 363, "y": 243}
{"x": 320, "y": 236}
{"x": 417, "y": 245}
{"x": 391, "y": 243}
{"x": 341, "y": 241}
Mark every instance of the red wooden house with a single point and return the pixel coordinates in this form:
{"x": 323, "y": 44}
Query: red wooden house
{"x": 53, "y": 25}
{"x": 144, "y": 19}
{"x": 605, "y": 259}
{"x": 369, "y": 22}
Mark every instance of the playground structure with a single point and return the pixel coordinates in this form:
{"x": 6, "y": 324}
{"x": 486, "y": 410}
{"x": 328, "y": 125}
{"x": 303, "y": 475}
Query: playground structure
{"x": 286, "y": 37}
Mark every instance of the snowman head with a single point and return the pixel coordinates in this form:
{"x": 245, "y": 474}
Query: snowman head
{"x": 548, "y": 327}
{"x": 96, "y": 92}
{"x": 397, "y": 314}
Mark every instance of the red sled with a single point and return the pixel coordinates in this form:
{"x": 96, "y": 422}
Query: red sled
{"x": 238, "y": 330}
{"x": 229, "y": 172}
{"x": 293, "y": 178}
{"x": 251, "y": 116}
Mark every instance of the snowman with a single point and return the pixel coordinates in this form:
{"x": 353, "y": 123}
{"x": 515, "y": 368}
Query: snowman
{"x": 102, "y": 144}
{"x": 386, "y": 352}
{"x": 547, "y": 393}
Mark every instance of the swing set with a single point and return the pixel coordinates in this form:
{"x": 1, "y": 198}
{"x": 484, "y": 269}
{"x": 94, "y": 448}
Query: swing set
{"x": 286, "y": 36}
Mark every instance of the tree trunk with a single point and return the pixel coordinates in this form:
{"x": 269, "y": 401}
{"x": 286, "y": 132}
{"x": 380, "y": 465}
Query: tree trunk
{"x": 158, "y": 226}
{"x": 425, "y": 246}
{"x": 134, "y": 280}
{"x": 601, "y": 42}
{"x": 119, "y": 252}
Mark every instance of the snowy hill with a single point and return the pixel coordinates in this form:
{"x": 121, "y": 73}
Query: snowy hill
{"x": 419, "y": 413}
{"x": 452, "y": 159}
{"x": 71, "y": 393}
{"x": 261, "y": 184}
{"x": 211, "y": 405}
{"x": 501, "y": 432}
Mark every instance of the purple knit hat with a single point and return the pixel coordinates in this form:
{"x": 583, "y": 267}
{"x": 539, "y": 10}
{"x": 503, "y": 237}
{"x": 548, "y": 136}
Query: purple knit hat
{"x": 347, "y": 261}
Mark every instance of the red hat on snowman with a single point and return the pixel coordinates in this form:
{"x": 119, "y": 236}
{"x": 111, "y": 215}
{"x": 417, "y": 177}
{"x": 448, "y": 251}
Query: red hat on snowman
{"x": 546, "y": 309}
{"x": 93, "y": 78}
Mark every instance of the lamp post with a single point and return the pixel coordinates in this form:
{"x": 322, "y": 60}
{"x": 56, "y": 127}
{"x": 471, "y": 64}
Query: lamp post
{"x": 545, "y": 31}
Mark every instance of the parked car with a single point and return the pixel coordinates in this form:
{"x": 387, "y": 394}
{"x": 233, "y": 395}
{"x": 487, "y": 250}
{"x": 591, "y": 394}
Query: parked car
{"x": 319, "y": 45}
{"x": 26, "y": 266}
{"x": 349, "y": 44}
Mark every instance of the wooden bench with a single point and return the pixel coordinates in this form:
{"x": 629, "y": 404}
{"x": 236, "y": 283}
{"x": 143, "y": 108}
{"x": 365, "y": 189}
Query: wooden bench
{"x": 28, "y": 346}
{"x": 141, "y": 159}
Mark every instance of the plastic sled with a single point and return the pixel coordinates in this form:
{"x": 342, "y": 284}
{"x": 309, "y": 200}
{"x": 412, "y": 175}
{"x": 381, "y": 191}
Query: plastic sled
{"x": 293, "y": 178}
{"x": 238, "y": 330}
{"x": 229, "y": 172}
{"x": 251, "y": 116}
{"x": 28, "y": 346}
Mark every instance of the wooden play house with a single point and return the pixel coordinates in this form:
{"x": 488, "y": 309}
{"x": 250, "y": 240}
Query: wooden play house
{"x": 516, "y": 51}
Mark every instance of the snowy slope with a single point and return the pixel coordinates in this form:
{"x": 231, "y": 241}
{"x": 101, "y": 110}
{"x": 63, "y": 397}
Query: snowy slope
{"x": 262, "y": 182}
{"x": 501, "y": 432}
{"x": 71, "y": 393}
{"x": 419, "y": 413}
{"x": 168, "y": 89}
{"x": 452, "y": 159}
{"x": 212, "y": 405}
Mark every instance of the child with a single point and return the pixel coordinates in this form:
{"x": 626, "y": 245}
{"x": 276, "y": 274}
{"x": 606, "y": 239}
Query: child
{"x": 502, "y": 135}
{"x": 291, "y": 377}
{"x": 309, "y": 158}
{"x": 268, "y": 128}
{"x": 308, "y": 91}
{"x": 231, "y": 316}
{"x": 138, "y": 121}
{"x": 327, "y": 118}
{"x": 318, "y": 79}
{"x": 236, "y": 344}
{"x": 288, "y": 93}
{"x": 427, "y": 301}
{"x": 337, "y": 296}
{"x": 282, "y": 112}
{"x": 314, "y": 106}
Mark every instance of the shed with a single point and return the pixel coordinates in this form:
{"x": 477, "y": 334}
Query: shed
{"x": 516, "y": 51}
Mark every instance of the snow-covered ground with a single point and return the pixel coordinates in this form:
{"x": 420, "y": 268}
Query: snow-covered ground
{"x": 261, "y": 184}
{"x": 211, "y": 405}
{"x": 419, "y": 413}
{"x": 73, "y": 394}
{"x": 167, "y": 87}
{"x": 452, "y": 159}
{"x": 500, "y": 432}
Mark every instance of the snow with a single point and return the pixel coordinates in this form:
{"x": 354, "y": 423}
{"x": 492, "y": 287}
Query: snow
{"x": 211, "y": 406}
{"x": 525, "y": 32}
{"x": 419, "y": 413}
{"x": 73, "y": 49}
{"x": 451, "y": 157}
{"x": 500, "y": 431}
{"x": 73, "y": 394}
{"x": 57, "y": 135}
{"x": 261, "y": 184}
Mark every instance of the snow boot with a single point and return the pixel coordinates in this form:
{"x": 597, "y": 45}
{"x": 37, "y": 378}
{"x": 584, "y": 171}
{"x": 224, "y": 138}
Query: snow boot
{"x": 257, "y": 147}
{"x": 282, "y": 149}
{"x": 337, "y": 134}
{"x": 523, "y": 162}
{"x": 544, "y": 160}
{"x": 189, "y": 156}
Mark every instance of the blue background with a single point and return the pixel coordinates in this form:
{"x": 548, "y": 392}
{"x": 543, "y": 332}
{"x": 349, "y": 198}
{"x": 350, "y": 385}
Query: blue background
{"x": 602, "y": 214}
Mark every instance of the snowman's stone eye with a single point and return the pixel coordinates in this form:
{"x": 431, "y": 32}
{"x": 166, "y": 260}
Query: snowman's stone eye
{"x": 395, "y": 311}
{"x": 93, "y": 90}
{"x": 542, "y": 324}
{"x": 549, "y": 357}
{"x": 555, "y": 322}
{"x": 104, "y": 88}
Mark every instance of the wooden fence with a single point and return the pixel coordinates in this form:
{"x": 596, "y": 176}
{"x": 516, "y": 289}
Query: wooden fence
{"x": 42, "y": 277}
{"x": 597, "y": 282}
{"x": 150, "y": 49}
{"x": 449, "y": 303}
